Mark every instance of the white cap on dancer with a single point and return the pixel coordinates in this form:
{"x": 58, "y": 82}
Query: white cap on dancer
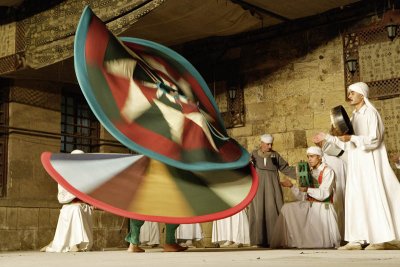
{"x": 314, "y": 150}
{"x": 267, "y": 138}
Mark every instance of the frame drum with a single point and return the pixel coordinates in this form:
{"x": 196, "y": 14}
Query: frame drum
{"x": 340, "y": 121}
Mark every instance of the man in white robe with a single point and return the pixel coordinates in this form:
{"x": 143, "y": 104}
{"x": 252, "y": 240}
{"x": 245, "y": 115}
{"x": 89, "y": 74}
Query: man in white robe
{"x": 372, "y": 203}
{"x": 74, "y": 230}
{"x": 332, "y": 156}
{"x": 310, "y": 222}
{"x": 233, "y": 231}
{"x": 150, "y": 234}
{"x": 187, "y": 233}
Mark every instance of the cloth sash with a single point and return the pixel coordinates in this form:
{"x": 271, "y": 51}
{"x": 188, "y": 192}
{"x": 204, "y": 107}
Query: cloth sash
{"x": 316, "y": 185}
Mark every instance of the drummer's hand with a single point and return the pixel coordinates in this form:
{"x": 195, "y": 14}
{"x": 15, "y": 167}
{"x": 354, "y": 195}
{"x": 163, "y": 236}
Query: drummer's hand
{"x": 318, "y": 137}
{"x": 303, "y": 189}
{"x": 345, "y": 138}
{"x": 395, "y": 158}
{"x": 286, "y": 183}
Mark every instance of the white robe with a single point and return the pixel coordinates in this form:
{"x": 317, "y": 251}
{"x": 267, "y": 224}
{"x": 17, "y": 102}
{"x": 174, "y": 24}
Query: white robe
{"x": 74, "y": 230}
{"x": 339, "y": 167}
{"x": 234, "y": 228}
{"x": 372, "y": 194}
{"x": 149, "y": 233}
{"x": 305, "y": 224}
{"x": 189, "y": 232}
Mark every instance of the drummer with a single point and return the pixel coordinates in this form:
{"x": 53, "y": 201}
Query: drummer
{"x": 372, "y": 200}
{"x": 310, "y": 222}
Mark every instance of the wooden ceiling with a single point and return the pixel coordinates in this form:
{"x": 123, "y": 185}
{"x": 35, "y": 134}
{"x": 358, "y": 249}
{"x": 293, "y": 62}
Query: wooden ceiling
{"x": 180, "y": 21}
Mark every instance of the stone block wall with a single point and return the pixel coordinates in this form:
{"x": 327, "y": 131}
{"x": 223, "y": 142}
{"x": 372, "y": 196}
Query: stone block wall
{"x": 109, "y": 230}
{"x": 293, "y": 101}
{"x": 26, "y": 176}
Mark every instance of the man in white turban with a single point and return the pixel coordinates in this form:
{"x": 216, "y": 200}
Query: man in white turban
{"x": 266, "y": 205}
{"x": 310, "y": 222}
{"x": 372, "y": 198}
{"x": 74, "y": 230}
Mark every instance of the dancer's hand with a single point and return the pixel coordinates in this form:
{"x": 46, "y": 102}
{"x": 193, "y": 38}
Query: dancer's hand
{"x": 303, "y": 189}
{"x": 395, "y": 158}
{"x": 319, "y": 137}
{"x": 345, "y": 138}
{"x": 286, "y": 183}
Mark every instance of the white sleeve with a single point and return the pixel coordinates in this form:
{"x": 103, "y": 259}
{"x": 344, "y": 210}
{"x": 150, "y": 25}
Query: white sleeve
{"x": 297, "y": 193}
{"x": 374, "y": 138}
{"x": 334, "y": 140}
{"x": 64, "y": 196}
{"x": 325, "y": 188}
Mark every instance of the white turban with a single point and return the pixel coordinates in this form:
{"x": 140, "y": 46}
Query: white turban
{"x": 362, "y": 88}
{"x": 267, "y": 138}
{"x": 314, "y": 150}
{"x": 77, "y": 151}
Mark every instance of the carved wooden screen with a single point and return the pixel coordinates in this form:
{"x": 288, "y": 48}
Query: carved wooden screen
{"x": 378, "y": 60}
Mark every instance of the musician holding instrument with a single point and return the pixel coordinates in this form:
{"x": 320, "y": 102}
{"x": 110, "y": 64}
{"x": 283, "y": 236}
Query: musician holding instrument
{"x": 372, "y": 198}
{"x": 266, "y": 205}
{"x": 310, "y": 222}
{"x": 74, "y": 230}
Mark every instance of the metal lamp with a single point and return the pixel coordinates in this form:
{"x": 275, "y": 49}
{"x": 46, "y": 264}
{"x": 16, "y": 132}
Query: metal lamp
{"x": 232, "y": 92}
{"x": 391, "y": 30}
{"x": 351, "y": 65}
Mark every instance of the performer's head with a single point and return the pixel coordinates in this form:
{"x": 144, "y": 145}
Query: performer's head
{"x": 357, "y": 92}
{"x": 314, "y": 156}
{"x": 266, "y": 142}
{"x": 77, "y": 151}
